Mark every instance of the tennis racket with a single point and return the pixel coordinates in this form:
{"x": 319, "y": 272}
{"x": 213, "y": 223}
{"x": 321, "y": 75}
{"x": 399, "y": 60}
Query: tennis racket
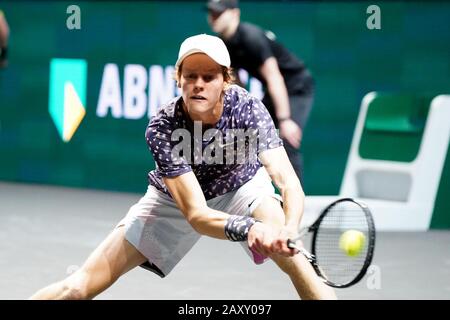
{"x": 334, "y": 266}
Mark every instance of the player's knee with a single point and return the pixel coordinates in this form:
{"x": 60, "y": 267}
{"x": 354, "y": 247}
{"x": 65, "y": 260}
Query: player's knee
{"x": 270, "y": 212}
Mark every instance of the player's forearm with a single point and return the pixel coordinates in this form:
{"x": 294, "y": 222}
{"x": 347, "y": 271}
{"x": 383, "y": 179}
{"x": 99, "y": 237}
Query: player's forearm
{"x": 209, "y": 222}
{"x": 220, "y": 225}
{"x": 293, "y": 203}
{"x": 280, "y": 170}
{"x": 280, "y": 98}
{"x": 291, "y": 191}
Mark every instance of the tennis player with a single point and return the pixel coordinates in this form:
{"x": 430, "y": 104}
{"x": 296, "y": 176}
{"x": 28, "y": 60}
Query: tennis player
{"x": 217, "y": 153}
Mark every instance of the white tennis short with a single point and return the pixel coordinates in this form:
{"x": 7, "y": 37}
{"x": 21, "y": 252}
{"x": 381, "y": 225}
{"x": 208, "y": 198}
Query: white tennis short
{"x": 158, "y": 229}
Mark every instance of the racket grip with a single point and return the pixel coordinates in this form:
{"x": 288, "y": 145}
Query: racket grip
{"x": 290, "y": 244}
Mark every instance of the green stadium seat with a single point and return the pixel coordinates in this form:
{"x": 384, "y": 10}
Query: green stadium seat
{"x": 396, "y": 159}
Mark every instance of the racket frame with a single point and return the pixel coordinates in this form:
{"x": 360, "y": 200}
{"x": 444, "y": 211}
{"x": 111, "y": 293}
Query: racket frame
{"x": 311, "y": 257}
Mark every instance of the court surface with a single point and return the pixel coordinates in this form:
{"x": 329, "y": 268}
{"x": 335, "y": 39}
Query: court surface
{"x": 47, "y": 231}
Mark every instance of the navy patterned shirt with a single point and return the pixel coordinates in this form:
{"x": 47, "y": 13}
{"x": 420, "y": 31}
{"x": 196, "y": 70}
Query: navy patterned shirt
{"x": 222, "y": 157}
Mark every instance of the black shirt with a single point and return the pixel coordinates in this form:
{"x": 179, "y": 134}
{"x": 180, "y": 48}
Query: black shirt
{"x": 251, "y": 46}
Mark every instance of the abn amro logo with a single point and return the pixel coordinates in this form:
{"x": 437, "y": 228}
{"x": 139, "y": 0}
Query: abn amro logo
{"x": 67, "y": 95}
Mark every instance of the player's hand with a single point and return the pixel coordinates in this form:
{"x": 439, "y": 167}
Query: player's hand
{"x": 260, "y": 238}
{"x": 268, "y": 241}
{"x": 291, "y": 132}
{"x": 280, "y": 242}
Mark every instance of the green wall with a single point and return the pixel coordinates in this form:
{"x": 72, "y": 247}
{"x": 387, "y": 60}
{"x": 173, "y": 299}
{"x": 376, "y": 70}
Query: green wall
{"x": 411, "y": 53}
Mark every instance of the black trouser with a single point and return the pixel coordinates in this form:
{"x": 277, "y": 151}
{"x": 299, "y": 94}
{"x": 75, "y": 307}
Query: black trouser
{"x": 301, "y": 105}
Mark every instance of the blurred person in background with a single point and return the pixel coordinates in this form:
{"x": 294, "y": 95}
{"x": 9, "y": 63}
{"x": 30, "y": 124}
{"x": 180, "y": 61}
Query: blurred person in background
{"x": 288, "y": 84}
{"x": 4, "y": 35}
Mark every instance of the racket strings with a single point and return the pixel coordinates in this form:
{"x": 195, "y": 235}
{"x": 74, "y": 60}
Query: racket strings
{"x": 336, "y": 265}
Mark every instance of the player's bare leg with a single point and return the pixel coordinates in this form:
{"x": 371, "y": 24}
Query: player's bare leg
{"x": 111, "y": 259}
{"x": 300, "y": 271}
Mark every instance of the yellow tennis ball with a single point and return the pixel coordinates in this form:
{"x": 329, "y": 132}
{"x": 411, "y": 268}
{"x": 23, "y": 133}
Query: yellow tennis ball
{"x": 352, "y": 242}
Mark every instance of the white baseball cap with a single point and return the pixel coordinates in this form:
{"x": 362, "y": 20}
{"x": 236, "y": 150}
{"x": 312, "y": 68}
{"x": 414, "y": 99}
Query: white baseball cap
{"x": 209, "y": 45}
